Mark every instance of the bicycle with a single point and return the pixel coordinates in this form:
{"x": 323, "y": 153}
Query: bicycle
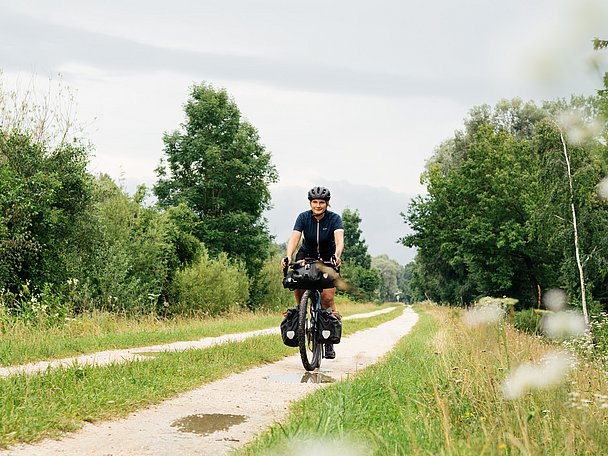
{"x": 309, "y": 340}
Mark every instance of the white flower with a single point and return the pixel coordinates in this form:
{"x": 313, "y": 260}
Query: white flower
{"x": 483, "y": 314}
{"x": 564, "y": 325}
{"x": 602, "y": 189}
{"x": 555, "y": 299}
{"x": 551, "y": 371}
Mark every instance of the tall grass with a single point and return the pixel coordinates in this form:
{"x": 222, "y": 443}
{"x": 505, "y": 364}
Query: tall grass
{"x": 441, "y": 392}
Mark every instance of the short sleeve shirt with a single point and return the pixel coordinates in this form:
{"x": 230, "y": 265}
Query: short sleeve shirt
{"x": 319, "y": 239}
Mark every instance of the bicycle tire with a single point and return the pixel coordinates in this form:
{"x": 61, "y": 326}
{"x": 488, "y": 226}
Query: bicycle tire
{"x": 308, "y": 341}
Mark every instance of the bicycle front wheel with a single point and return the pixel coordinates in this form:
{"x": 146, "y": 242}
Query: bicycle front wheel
{"x": 310, "y": 348}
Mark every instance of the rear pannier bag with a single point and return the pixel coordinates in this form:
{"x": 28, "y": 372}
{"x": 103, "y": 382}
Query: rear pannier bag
{"x": 330, "y": 327}
{"x": 289, "y": 328}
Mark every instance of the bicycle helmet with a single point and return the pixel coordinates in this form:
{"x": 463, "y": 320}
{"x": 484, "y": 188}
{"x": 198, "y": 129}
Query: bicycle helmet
{"x": 320, "y": 193}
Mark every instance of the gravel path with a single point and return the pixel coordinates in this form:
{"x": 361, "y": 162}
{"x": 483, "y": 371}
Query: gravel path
{"x": 253, "y": 400}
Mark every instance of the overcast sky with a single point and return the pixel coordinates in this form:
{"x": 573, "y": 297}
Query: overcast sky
{"x": 351, "y": 94}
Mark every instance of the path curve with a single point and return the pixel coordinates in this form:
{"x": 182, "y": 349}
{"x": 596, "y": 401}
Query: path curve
{"x": 258, "y": 394}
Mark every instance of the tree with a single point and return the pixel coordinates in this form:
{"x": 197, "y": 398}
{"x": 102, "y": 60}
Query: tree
{"x": 43, "y": 195}
{"x": 357, "y": 262}
{"x": 472, "y": 230}
{"x": 497, "y": 216}
{"x": 391, "y": 277}
{"x": 217, "y": 166}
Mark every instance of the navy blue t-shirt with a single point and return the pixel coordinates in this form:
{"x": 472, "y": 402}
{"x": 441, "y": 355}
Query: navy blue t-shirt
{"x": 319, "y": 239}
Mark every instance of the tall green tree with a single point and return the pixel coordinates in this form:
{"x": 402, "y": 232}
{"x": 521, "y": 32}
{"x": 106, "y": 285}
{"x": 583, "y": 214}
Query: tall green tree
{"x": 357, "y": 262}
{"x": 218, "y": 167}
{"x": 496, "y": 219}
{"x": 391, "y": 277}
{"x": 45, "y": 192}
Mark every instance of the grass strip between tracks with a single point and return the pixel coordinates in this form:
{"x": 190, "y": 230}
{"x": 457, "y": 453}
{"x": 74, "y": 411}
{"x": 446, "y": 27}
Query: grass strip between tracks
{"x": 62, "y": 399}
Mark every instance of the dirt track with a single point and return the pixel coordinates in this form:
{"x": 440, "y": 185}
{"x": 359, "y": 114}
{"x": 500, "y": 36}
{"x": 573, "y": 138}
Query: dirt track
{"x": 253, "y": 400}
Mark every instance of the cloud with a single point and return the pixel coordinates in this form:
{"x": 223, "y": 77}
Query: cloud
{"x": 31, "y": 44}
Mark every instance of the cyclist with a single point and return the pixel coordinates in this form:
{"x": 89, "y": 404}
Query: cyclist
{"x": 323, "y": 239}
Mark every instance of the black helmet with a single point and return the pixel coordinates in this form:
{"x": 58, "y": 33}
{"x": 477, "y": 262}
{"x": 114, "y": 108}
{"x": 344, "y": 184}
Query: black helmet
{"x": 319, "y": 193}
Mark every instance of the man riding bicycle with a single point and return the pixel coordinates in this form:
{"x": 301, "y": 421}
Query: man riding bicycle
{"x": 323, "y": 234}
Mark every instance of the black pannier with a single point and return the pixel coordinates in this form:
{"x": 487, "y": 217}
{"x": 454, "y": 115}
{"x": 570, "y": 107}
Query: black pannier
{"x": 330, "y": 327}
{"x": 289, "y": 328}
{"x": 308, "y": 276}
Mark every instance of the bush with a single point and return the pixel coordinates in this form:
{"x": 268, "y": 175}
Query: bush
{"x": 210, "y": 287}
{"x": 269, "y": 285}
{"x": 528, "y": 321}
{"x": 46, "y": 308}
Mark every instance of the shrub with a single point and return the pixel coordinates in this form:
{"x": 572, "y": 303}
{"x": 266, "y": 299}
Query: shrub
{"x": 210, "y": 287}
{"x": 269, "y": 284}
{"x": 528, "y": 321}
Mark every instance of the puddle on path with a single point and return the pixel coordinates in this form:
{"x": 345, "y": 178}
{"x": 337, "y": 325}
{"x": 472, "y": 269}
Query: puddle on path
{"x": 307, "y": 377}
{"x": 207, "y": 423}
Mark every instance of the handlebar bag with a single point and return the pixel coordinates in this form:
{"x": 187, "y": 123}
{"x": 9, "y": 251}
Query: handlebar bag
{"x": 308, "y": 276}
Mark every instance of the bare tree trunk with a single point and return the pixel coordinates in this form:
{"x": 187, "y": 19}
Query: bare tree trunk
{"x": 575, "y": 227}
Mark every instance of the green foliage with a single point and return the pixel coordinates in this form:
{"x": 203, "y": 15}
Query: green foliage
{"x": 210, "y": 287}
{"x": 355, "y": 248}
{"x": 218, "y": 168}
{"x": 393, "y": 281}
{"x": 130, "y": 255}
{"x": 269, "y": 284}
{"x": 497, "y": 216}
{"x": 356, "y": 262}
{"x": 44, "y": 194}
{"x": 527, "y": 320}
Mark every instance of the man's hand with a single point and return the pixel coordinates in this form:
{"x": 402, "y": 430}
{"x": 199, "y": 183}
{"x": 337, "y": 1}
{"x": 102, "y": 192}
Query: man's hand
{"x": 284, "y": 262}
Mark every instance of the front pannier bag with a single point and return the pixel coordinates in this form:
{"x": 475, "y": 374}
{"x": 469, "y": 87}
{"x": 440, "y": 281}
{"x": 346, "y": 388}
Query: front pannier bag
{"x": 307, "y": 277}
{"x": 330, "y": 327}
{"x": 289, "y": 327}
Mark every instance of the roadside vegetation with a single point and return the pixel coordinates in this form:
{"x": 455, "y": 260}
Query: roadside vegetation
{"x": 63, "y": 399}
{"x": 447, "y": 389}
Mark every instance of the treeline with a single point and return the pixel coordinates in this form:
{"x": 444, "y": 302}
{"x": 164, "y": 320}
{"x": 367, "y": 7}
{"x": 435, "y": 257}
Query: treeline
{"x": 72, "y": 242}
{"x": 512, "y": 200}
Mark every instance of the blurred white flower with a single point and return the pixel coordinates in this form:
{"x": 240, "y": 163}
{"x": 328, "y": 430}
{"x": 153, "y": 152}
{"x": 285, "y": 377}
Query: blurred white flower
{"x": 602, "y": 189}
{"x": 555, "y": 299}
{"x": 323, "y": 447}
{"x": 551, "y": 371}
{"x": 577, "y": 128}
{"x": 485, "y": 312}
{"x": 564, "y": 325}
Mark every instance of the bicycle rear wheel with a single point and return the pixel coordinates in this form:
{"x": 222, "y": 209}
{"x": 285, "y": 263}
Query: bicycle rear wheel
{"x": 310, "y": 348}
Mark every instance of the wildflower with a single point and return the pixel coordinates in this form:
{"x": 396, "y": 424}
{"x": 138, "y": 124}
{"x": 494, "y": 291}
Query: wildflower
{"x": 602, "y": 189}
{"x": 577, "y": 128}
{"x": 555, "y": 299}
{"x": 564, "y": 325}
{"x": 549, "y": 372}
{"x": 485, "y": 312}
